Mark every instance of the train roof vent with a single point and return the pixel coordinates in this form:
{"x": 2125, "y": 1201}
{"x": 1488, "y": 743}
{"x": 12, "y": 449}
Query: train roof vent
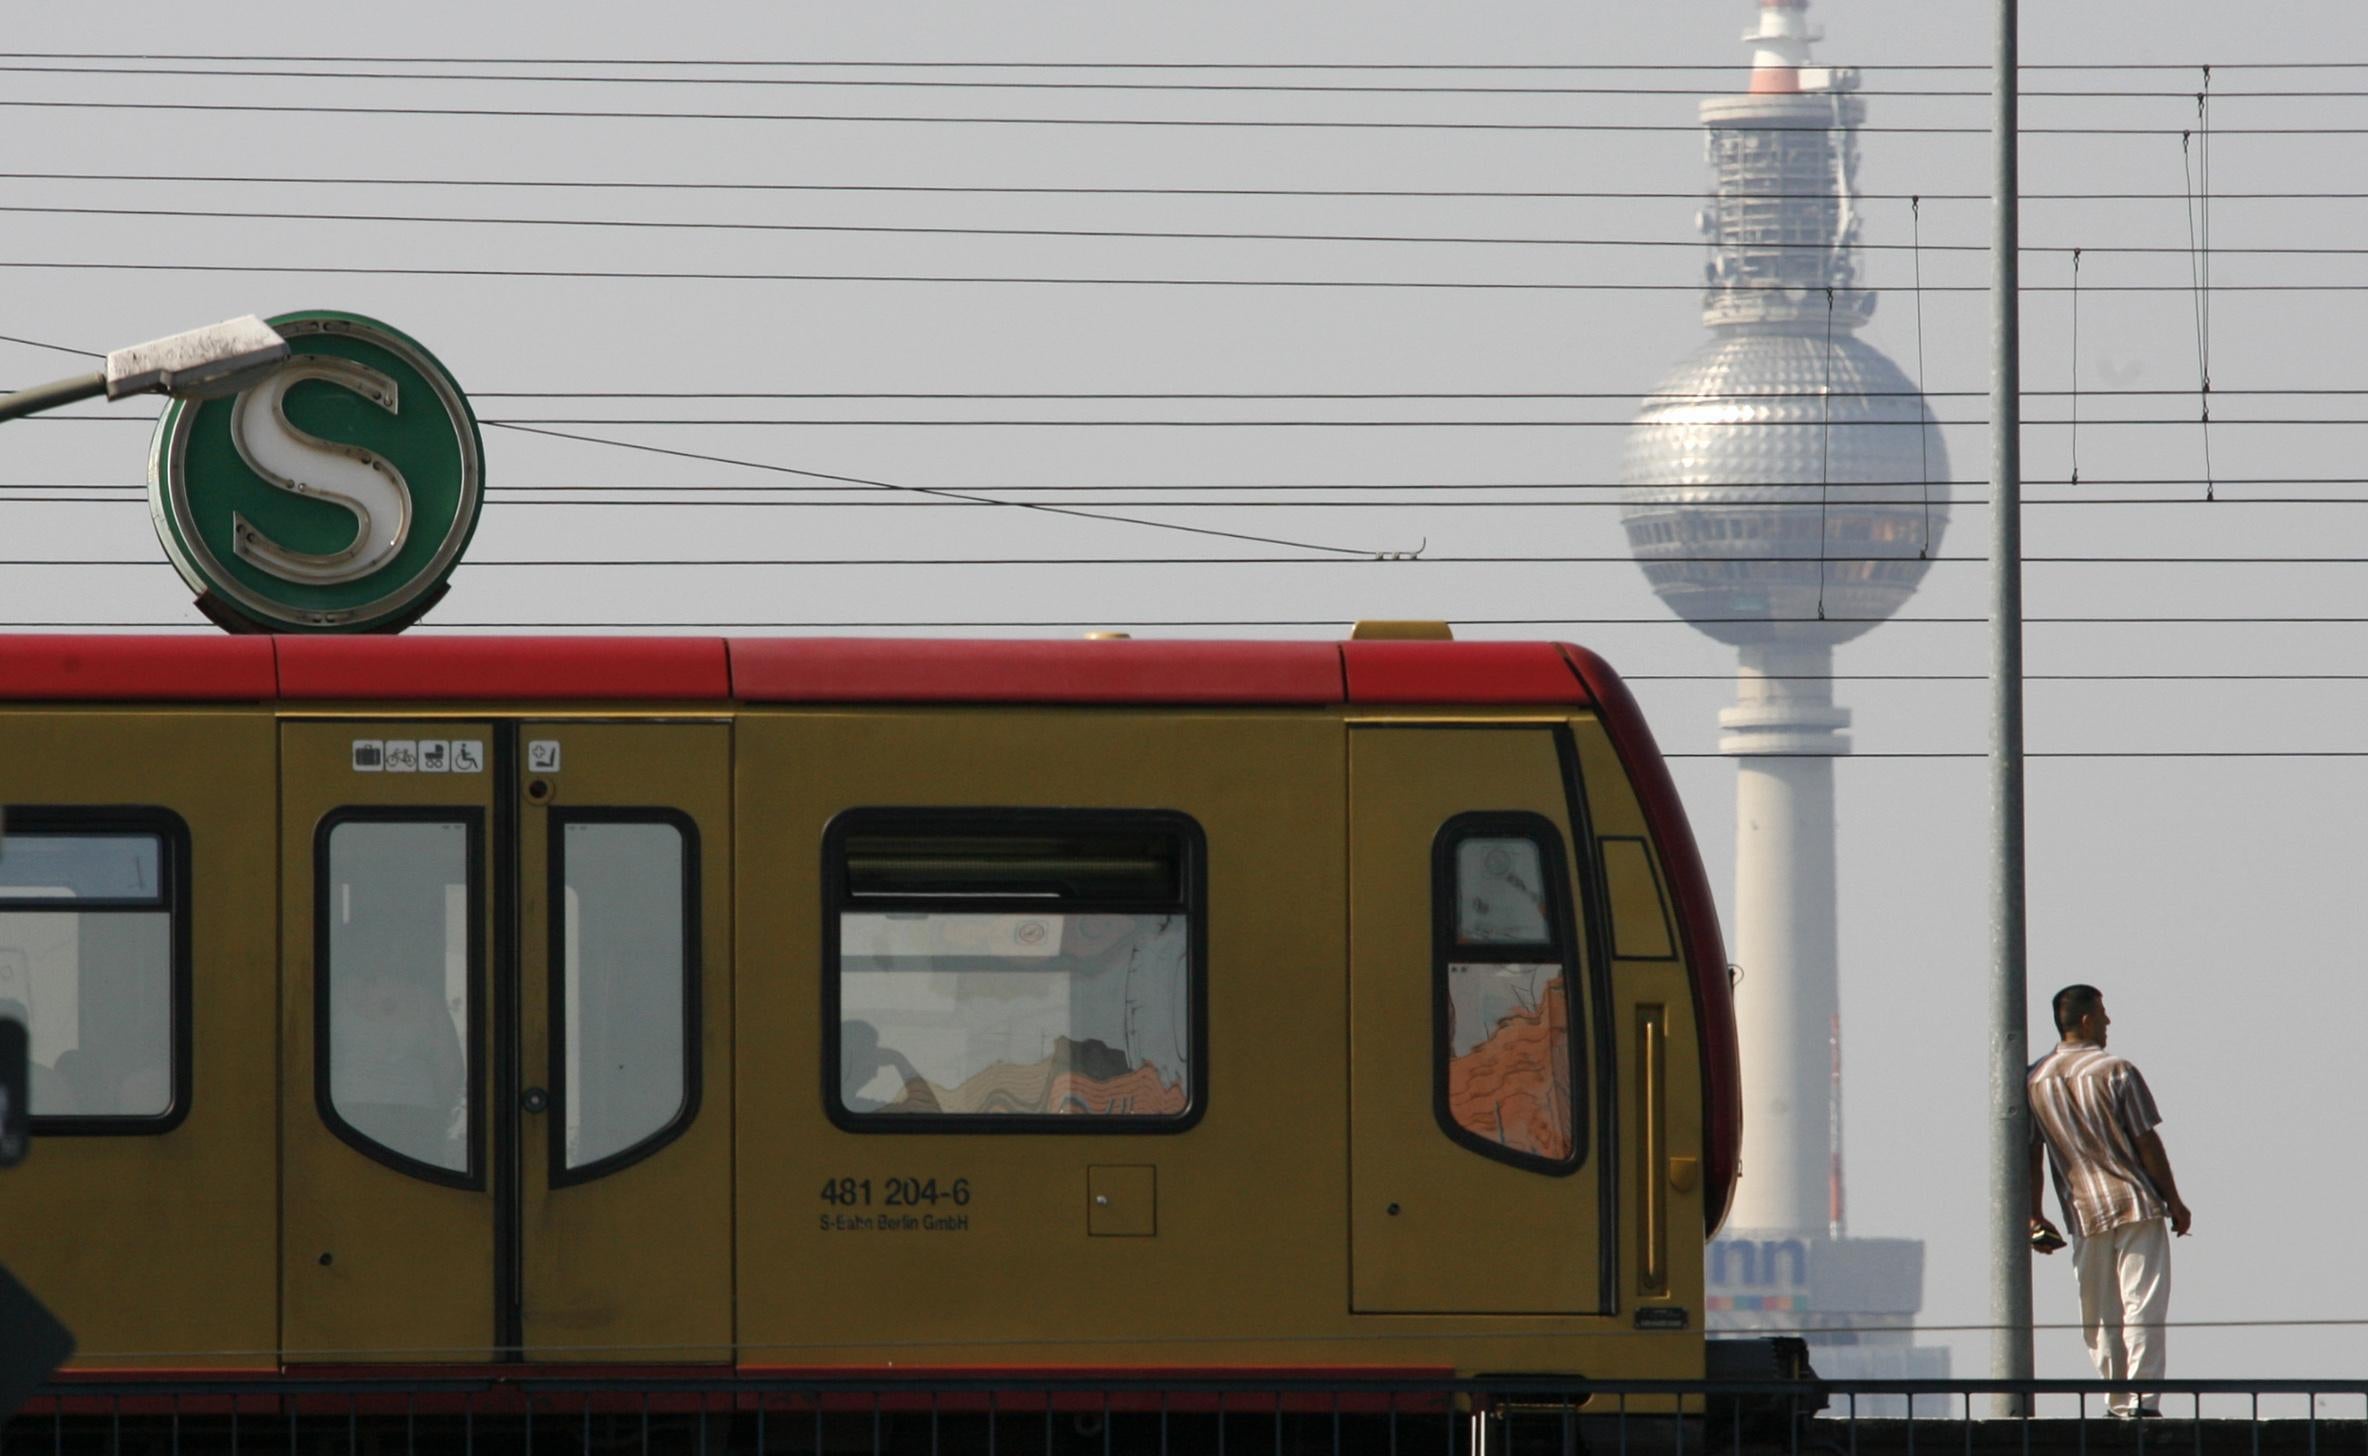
{"x": 1401, "y": 632}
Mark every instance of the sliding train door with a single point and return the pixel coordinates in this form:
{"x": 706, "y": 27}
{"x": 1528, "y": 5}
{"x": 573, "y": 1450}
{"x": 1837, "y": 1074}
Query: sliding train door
{"x": 624, "y": 1042}
{"x": 505, "y": 1051}
{"x": 387, "y": 1175}
{"x": 1478, "y": 1181}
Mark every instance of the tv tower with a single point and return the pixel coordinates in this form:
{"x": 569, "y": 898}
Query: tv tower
{"x": 1786, "y": 489}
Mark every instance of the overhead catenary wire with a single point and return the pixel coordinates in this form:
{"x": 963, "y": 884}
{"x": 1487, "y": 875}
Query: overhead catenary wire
{"x": 729, "y": 276}
{"x": 985, "y": 422}
{"x": 1077, "y": 512}
{"x": 872, "y": 63}
{"x": 1255, "y": 123}
{"x": 695, "y": 497}
{"x": 1276, "y": 422}
{"x": 648, "y": 562}
{"x": 1338, "y": 624}
{"x": 1713, "y": 84}
{"x": 1125, "y": 234}
{"x": 1233, "y": 395}
{"x": 685, "y": 185}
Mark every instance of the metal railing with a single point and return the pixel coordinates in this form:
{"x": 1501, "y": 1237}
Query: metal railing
{"x": 581, "y": 1414}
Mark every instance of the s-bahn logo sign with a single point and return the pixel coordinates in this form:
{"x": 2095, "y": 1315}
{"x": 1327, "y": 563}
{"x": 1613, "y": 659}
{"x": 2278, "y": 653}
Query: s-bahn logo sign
{"x": 336, "y": 495}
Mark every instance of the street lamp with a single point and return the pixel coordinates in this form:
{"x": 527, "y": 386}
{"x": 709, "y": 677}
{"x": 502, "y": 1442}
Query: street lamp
{"x": 206, "y": 363}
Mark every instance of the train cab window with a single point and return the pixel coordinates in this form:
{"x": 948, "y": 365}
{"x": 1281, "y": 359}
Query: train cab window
{"x": 1506, "y": 1077}
{"x": 1010, "y": 969}
{"x": 94, "y": 961}
{"x": 627, "y": 951}
{"x": 396, "y": 996}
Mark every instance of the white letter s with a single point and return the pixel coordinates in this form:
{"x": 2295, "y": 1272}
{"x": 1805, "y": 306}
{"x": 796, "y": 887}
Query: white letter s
{"x": 306, "y": 465}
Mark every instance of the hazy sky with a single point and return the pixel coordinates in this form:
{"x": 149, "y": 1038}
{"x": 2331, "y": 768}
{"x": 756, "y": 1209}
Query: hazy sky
{"x": 2212, "y": 897}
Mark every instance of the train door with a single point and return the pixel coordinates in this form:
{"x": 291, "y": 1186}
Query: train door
{"x": 1475, "y": 1183}
{"x": 625, "y": 1047}
{"x": 505, "y": 1041}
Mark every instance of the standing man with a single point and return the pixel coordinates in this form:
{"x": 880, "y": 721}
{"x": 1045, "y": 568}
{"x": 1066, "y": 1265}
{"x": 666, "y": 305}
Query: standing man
{"x": 2096, "y": 1119}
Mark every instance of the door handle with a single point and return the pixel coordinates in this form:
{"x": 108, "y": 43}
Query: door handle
{"x": 1652, "y": 1097}
{"x": 534, "y": 1099}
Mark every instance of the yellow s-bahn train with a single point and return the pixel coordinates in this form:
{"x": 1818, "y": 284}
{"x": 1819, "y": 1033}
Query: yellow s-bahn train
{"x": 799, "y": 1005}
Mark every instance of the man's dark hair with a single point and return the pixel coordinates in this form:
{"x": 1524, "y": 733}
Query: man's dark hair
{"x": 2074, "y": 1002}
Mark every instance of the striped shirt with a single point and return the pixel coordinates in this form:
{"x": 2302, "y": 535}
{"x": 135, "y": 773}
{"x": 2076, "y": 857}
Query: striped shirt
{"x": 2091, "y": 1109}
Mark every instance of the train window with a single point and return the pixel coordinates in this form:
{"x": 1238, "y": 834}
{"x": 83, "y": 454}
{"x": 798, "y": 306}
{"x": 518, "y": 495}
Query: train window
{"x": 93, "y": 960}
{"x": 1014, "y": 968}
{"x": 1507, "y": 1079}
{"x": 1640, "y": 909}
{"x": 1500, "y": 892}
{"x": 627, "y": 949}
{"x": 399, "y": 953}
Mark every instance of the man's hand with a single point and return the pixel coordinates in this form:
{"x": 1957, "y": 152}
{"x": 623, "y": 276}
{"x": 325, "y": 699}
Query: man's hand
{"x": 2180, "y": 1218}
{"x": 2053, "y": 1239}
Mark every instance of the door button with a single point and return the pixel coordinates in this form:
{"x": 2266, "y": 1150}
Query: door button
{"x": 534, "y": 1099}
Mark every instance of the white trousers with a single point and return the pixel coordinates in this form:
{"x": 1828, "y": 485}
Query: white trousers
{"x": 2125, "y": 1297}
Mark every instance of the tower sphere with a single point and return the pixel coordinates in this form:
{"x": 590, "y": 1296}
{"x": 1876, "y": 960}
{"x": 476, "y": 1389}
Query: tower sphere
{"x": 1771, "y": 464}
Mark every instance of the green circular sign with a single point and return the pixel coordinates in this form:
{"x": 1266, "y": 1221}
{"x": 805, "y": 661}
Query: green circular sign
{"x": 336, "y": 495}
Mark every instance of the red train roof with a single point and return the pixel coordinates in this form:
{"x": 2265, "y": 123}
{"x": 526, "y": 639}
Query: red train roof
{"x": 779, "y": 670}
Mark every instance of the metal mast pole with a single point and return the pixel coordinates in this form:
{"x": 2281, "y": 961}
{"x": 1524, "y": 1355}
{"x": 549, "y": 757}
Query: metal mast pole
{"x": 2010, "y": 1167}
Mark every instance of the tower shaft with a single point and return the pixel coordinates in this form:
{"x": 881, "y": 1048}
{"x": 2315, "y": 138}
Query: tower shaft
{"x": 1786, "y": 731}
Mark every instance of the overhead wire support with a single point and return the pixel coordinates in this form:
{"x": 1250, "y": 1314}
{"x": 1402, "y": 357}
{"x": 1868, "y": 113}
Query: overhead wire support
{"x": 1825, "y": 448}
{"x": 2075, "y": 391}
{"x": 2194, "y": 157}
{"x": 1916, "y": 252}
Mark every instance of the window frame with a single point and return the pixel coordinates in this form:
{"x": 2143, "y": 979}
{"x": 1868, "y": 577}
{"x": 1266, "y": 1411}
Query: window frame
{"x": 836, "y": 901}
{"x": 560, "y": 1174}
{"x": 174, "y": 884}
{"x": 1446, "y": 951}
{"x": 472, "y": 1178}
